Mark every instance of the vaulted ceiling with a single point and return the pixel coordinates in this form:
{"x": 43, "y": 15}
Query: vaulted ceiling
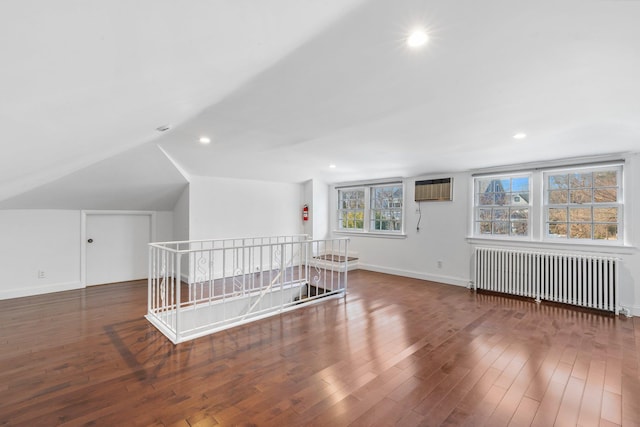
{"x": 284, "y": 88}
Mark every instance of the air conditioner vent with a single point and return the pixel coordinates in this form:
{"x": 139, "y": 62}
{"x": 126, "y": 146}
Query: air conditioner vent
{"x": 434, "y": 190}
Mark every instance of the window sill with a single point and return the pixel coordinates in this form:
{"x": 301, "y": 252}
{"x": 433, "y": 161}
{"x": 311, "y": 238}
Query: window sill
{"x": 579, "y": 246}
{"x": 371, "y": 234}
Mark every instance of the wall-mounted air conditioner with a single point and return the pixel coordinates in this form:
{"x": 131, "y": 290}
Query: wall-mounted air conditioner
{"x": 431, "y": 190}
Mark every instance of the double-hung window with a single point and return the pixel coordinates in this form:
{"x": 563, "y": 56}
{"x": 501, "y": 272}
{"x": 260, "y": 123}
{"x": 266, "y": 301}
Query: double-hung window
{"x": 351, "y": 209}
{"x": 371, "y": 208}
{"x": 569, "y": 204}
{"x": 583, "y": 203}
{"x": 502, "y": 205}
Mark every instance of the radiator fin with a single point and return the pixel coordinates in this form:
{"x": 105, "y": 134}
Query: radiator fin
{"x": 578, "y": 279}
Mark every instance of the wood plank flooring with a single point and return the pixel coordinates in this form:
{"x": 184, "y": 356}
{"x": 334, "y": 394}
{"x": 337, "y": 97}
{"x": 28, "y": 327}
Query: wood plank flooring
{"x": 395, "y": 351}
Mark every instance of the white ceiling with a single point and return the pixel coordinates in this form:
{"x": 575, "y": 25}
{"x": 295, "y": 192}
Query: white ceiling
{"x": 286, "y": 87}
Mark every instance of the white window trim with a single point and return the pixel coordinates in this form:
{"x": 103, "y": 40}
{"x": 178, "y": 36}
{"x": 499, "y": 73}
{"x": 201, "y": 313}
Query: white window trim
{"x": 368, "y": 186}
{"x": 537, "y": 219}
{"x": 619, "y": 204}
{"x": 523, "y": 173}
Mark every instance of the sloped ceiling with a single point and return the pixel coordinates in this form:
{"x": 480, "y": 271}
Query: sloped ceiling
{"x": 142, "y": 178}
{"x": 83, "y": 81}
{"x": 284, "y": 88}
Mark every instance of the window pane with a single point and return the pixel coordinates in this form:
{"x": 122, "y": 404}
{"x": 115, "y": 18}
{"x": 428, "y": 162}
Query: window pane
{"x": 484, "y": 185}
{"x": 580, "y": 214}
{"x": 484, "y": 214}
{"x": 501, "y": 214}
{"x": 605, "y": 232}
{"x": 503, "y": 185}
{"x": 486, "y": 199}
{"x": 558, "y": 182}
{"x": 558, "y": 197}
{"x": 605, "y": 195}
{"x": 500, "y": 228}
{"x": 519, "y": 214}
{"x": 485, "y": 228}
{"x": 520, "y": 198}
{"x": 502, "y": 199}
{"x": 605, "y": 179}
{"x": 558, "y": 230}
{"x": 605, "y": 214}
{"x": 580, "y": 196}
{"x": 519, "y": 185}
{"x": 520, "y": 228}
{"x": 557, "y": 215}
{"x": 580, "y": 180}
{"x": 580, "y": 231}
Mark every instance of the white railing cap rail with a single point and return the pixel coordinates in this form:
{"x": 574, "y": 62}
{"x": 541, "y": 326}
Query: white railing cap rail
{"x": 165, "y": 245}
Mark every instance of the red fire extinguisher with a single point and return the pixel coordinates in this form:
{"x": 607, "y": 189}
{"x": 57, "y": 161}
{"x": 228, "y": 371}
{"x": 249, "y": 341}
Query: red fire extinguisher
{"x": 305, "y": 213}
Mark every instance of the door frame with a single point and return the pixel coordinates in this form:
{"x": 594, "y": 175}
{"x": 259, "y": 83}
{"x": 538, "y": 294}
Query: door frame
{"x": 83, "y": 234}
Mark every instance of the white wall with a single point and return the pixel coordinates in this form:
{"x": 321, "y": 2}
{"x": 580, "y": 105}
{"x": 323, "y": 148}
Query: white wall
{"x": 445, "y": 230}
{"x": 45, "y": 240}
{"x": 315, "y": 193}
{"x": 226, "y": 208}
{"x": 307, "y": 198}
{"x": 164, "y": 226}
{"x": 33, "y": 240}
{"x": 320, "y": 209}
{"x": 441, "y": 238}
{"x": 181, "y": 217}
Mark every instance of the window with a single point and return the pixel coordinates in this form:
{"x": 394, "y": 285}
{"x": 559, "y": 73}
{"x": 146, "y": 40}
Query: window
{"x": 502, "y": 205}
{"x": 386, "y": 208}
{"x": 371, "y": 208}
{"x": 351, "y": 209}
{"x": 583, "y": 204}
{"x": 577, "y": 204}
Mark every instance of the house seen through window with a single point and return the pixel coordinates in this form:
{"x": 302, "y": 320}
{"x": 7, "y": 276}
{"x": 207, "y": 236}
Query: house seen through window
{"x": 571, "y": 204}
{"x": 371, "y": 208}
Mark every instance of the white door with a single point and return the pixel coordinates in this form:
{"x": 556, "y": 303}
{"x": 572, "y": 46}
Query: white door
{"x": 116, "y": 247}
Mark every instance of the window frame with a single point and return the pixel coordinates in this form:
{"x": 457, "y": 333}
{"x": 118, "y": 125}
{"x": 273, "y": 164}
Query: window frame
{"x": 369, "y": 217}
{"x": 569, "y": 205}
{"x": 539, "y": 206}
{"x": 478, "y": 208}
{"x": 354, "y": 211}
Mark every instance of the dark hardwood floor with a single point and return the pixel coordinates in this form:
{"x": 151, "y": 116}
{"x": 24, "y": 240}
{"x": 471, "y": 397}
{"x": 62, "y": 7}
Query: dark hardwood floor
{"x": 396, "y": 351}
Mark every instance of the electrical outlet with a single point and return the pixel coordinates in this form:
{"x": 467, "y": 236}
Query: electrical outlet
{"x": 41, "y": 274}
{"x": 439, "y": 264}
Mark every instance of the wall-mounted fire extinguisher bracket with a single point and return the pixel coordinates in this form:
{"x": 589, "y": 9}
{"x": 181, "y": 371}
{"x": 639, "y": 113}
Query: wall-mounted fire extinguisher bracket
{"x": 305, "y": 213}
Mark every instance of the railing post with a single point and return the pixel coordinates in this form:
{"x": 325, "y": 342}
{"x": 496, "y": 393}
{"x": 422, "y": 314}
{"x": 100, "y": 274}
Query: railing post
{"x": 149, "y": 279}
{"x": 178, "y": 298}
{"x": 283, "y": 273}
{"x": 346, "y": 265}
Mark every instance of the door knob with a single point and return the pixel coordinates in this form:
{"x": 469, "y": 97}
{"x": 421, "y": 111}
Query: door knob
{"x": 90, "y": 241}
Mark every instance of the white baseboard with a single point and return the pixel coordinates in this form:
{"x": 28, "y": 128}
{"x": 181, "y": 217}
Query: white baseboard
{"x": 634, "y": 310}
{"x": 39, "y": 290}
{"x": 449, "y": 280}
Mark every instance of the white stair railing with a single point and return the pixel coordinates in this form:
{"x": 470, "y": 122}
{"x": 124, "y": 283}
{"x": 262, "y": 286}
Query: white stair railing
{"x": 276, "y": 275}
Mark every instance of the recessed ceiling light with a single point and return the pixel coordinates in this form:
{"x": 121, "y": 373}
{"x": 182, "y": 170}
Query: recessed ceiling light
{"x": 205, "y": 140}
{"x": 520, "y": 135}
{"x": 417, "y": 38}
{"x": 332, "y": 166}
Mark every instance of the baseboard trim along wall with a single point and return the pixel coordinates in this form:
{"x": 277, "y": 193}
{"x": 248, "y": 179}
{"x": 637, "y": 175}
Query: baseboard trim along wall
{"x": 39, "y": 290}
{"x": 635, "y": 310}
{"x": 449, "y": 280}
